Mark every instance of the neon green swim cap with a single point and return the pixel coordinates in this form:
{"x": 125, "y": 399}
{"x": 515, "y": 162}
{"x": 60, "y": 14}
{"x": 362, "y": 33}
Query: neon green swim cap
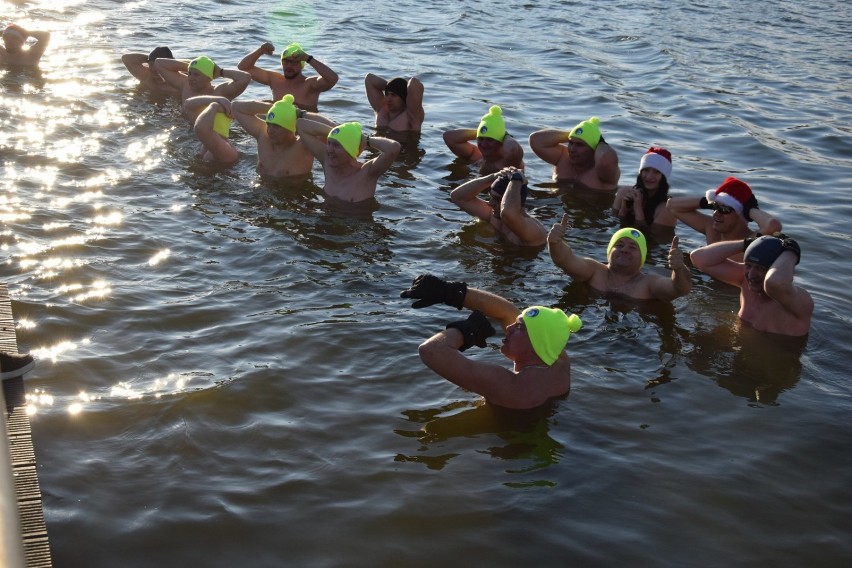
{"x": 588, "y": 131}
{"x": 291, "y": 51}
{"x": 283, "y": 113}
{"x": 348, "y": 135}
{"x": 492, "y": 125}
{"x": 549, "y": 330}
{"x": 630, "y": 233}
{"x": 203, "y": 65}
{"x": 222, "y": 124}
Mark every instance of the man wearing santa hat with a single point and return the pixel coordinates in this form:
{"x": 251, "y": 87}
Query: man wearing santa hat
{"x": 733, "y": 205}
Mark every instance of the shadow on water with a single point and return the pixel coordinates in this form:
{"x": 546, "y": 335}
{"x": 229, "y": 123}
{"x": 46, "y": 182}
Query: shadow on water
{"x": 755, "y": 365}
{"x": 523, "y": 434}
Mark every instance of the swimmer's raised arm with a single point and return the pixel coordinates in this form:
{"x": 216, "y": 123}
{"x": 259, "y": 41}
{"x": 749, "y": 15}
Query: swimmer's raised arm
{"x": 581, "y": 269}
{"x": 249, "y": 63}
{"x": 459, "y": 143}
{"x": 388, "y": 151}
{"x": 547, "y": 144}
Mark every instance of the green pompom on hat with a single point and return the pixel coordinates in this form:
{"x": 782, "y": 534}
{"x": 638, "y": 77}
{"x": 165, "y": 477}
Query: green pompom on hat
{"x": 588, "y": 131}
{"x": 492, "y": 125}
{"x": 283, "y": 113}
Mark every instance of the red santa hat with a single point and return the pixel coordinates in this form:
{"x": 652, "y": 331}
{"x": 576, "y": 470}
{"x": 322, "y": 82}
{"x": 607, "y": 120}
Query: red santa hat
{"x": 733, "y": 193}
{"x": 658, "y": 158}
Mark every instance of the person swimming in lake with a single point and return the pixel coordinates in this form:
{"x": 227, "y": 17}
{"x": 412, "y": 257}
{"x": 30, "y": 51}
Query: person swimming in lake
{"x": 141, "y": 66}
{"x": 644, "y": 204}
{"x": 398, "y": 103}
{"x": 15, "y": 50}
{"x": 769, "y": 300}
{"x": 280, "y": 151}
{"x": 622, "y": 274}
{"x": 291, "y": 81}
{"x": 733, "y": 204}
{"x": 504, "y": 209}
{"x": 337, "y": 148}
{"x": 489, "y": 146}
{"x": 535, "y": 341}
{"x": 581, "y": 158}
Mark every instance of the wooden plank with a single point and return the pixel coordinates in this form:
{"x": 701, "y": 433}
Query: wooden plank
{"x": 33, "y": 530}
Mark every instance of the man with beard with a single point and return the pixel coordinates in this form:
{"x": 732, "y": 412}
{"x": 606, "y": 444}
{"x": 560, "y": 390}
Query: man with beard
{"x": 769, "y": 301}
{"x": 622, "y": 274}
{"x": 489, "y": 146}
{"x": 305, "y": 90}
{"x": 398, "y": 104}
{"x": 337, "y": 148}
{"x": 581, "y": 157}
{"x": 733, "y": 205}
{"x": 15, "y": 50}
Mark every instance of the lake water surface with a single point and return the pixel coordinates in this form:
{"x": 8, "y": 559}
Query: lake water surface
{"x": 226, "y": 375}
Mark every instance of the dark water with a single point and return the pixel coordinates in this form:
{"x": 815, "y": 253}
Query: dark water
{"x": 226, "y": 375}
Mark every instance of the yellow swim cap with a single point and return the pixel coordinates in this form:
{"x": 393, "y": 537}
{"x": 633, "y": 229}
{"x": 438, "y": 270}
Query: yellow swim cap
{"x": 630, "y": 233}
{"x": 283, "y": 113}
{"x": 549, "y": 330}
{"x": 588, "y": 131}
{"x": 291, "y": 51}
{"x": 348, "y": 135}
{"x": 492, "y": 125}
{"x": 203, "y": 65}
{"x": 222, "y": 124}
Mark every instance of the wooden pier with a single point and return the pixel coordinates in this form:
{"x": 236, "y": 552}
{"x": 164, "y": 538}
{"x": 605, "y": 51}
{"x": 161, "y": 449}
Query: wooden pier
{"x": 30, "y": 531}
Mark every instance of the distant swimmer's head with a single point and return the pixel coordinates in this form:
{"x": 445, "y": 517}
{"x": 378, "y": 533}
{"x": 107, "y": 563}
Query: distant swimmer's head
{"x": 588, "y": 131}
{"x": 732, "y": 193}
{"x": 283, "y": 113}
{"x": 160, "y": 53}
{"x": 399, "y": 87}
{"x": 203, "y": 65}
{"x": 492, "y": 125}
{"x": 549, "y": 330}
{"x": 13, "y": 39}
{"x": 222, "y": 124}
{"x": 658, "y": 158}
{"x": 348, "y": 135}
{"x": 764, "y": 250}
{"x": 632, "y": 234}
{"x": 291, "y": 51}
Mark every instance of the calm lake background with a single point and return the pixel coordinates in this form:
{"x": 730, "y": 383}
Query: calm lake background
{"x": 226, "y": 374}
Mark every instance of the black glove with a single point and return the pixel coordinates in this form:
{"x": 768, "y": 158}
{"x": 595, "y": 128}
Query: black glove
{"x": 429, "y": 290}
{"x": 790, "y": 244}
{"x": 476, "y": 329}
{"x": 748, "y": 206}
{"x": 704, "y": 204}
{"x": 748, "y": 240}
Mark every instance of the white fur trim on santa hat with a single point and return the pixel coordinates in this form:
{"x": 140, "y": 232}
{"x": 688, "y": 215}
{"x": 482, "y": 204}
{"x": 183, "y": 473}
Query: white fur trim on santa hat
{"x": 656, "y": 161}
{"x": 724, "y": 199}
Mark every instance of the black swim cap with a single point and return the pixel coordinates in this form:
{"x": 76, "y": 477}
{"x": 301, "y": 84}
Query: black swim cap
{"x": 764, "y": 250}
{"x": 399, "y": 87}
{"x": 160, "y": 52}
{"x": 500, "y": 184}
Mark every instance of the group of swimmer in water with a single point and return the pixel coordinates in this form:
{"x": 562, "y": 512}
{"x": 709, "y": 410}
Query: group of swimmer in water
{"x": 290, "y": 134}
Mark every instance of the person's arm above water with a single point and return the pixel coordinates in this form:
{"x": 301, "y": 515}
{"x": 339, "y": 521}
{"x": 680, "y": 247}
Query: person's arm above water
{"x": 681, "y": 280}
{"x": 466, "y": 196}
{"x": 388, "y": 151}
{"x": 172, "y": 71}
{"x": 580, "y": 269}
{"x": 459, "y": 143}
{"x": 606, "y": 164}
{"x": 326, "y": 78}
{"x": 314, "y": 135}
{"x": 686, "y": 209}
{"x": 713, "y": 260}
{"x": 249, "y": 64}
{"x": 547, "y": 144}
